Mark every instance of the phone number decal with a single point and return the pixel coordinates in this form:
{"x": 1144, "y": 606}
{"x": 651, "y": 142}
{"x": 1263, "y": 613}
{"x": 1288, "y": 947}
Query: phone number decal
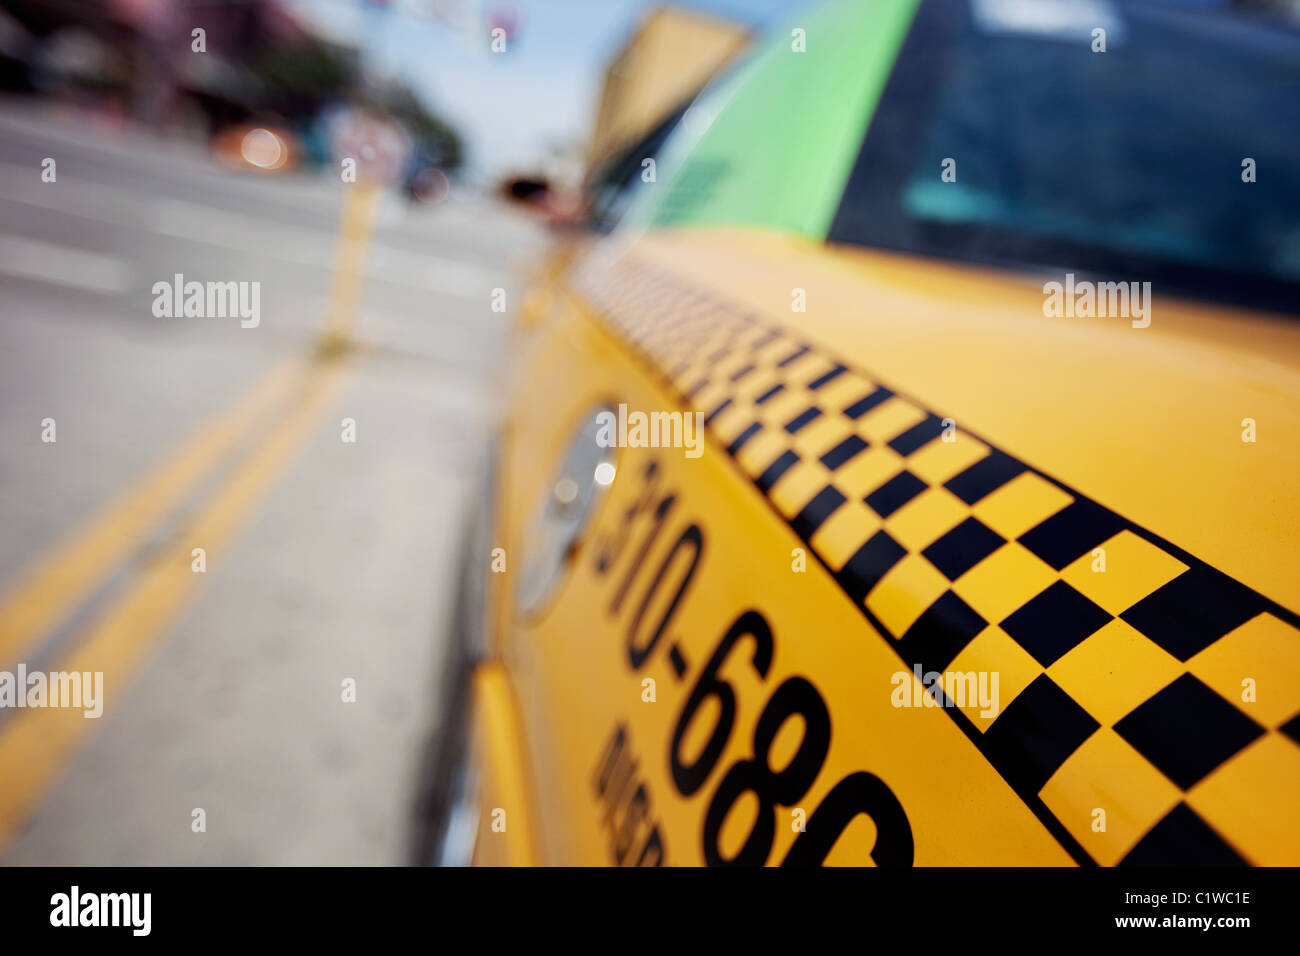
{"x": 648, "y": 604}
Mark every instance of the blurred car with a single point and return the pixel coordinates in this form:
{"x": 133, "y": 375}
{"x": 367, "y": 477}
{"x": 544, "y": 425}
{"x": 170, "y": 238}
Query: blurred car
{"x": 987, "y": 556}
{"x": 246, "y": 147}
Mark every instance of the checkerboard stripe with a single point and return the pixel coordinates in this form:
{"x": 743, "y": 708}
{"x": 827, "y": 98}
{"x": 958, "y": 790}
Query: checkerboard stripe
{"x": 964, "y": 557}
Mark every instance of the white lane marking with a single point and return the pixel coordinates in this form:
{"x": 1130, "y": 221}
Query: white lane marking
{"x": 63, "y": 265}
{"x": 186, "y": 220}
{"x": 19, "y": 184}
{"x": 211, "y": 225}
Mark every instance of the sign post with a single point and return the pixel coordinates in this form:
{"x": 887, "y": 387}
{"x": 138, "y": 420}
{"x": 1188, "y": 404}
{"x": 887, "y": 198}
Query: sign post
{"x": 371, "y": 152}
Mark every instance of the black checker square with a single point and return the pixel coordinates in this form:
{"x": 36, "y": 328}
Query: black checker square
{"x": 1292, "y": 728}
{"x": 698, "y": 387}
{"x": 794, "y": 356}
{"x": 1187, "y": 730}
{"x": 1072, "y": 532}
{"x": 807, "y": 416}
{"x": 871, "y": 562}
{"x": 1182, "y": 838}
{"x": 843, "y": 452}
{"x": 985, "y": 476}
{"x": 1194, "y": 610}
{"x": 816, "y": 512}
{"x": 772, "y": 474}
{"x": 741, "y": 440}
{"x": 822, "y": 381}
{"x": 764, "y": 340}
{"x": 895, "y": 493}
{"x": 941, "y": 633}
{"x": 963, "y": 547}
{"x": 1053, "y": 622}
{"x": 1037, "y": 732}
{"x": 722, "y": 407}
{"x": 918, "y": 436}
{"x": 866, "y": 403}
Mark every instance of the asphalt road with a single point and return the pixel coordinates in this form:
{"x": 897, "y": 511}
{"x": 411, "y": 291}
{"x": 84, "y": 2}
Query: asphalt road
{"x": 327, "y": 561}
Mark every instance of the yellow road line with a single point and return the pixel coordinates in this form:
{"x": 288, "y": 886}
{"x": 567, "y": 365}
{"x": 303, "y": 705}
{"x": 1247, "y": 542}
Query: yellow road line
{"x": 53, "y": 587}
{"x": 36, "y": 745}
{"x": 360, "y": 204}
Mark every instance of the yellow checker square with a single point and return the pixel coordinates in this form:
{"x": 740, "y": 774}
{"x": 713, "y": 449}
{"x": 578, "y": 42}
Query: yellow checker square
{"x": 645, "y": 328}
{"x": 665, "y": 353}
{"x": 670, "y": 355}
{"x": 994, "y": 652}
{"x": 821, "y": 435}
{"x": 926, "y": 518}
{"x": 797, "y": 487}
{"x": 844, "y": 532}
{"x": 868, "y": 470}
{"x": 755, "y": 385}
{"x": 713, "y": 350}
{"x": 674, "y": 326}
{"x": 1003, "y": 581}
{"x": 940, "y": 460}
{"x": 1107, "y": 782}
{"x": 1251, "y": 801}
{"x": 680, "y": 331}
{"x": 844, "y": 389}
{"x": 751, "y": 336}
{"x": 802, "y": 369}
{"x": 910, "y": 587}
{"x": 735, "y": 362}
{"x": 785, "y": 405}
{"x": 1113, "y": 671}
{"x": 1134, "y": 568}
{"x": 889, "y": 419}
{"x": 813, "y": 369}
{"x": 1022, "y": 503}
{"x": 757, "y": 454}
{"x": 738, "y": 330}
{"x": 691, "y": 373}
{"x": 776, "y": 347}
{"x": 712, "y": 338}
{"x": 1264, "y": 651}
{"x": 731, "y": 422}
{"x": 710, "y": 396}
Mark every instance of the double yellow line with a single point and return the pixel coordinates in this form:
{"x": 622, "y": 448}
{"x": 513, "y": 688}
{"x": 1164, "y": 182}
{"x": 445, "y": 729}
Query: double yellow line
{"x": 273, "y": 419}
{"x": 36, "y": 744}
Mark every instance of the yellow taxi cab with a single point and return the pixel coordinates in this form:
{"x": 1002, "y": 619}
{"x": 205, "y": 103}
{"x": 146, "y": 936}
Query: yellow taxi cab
{"x": 909, "y": 476}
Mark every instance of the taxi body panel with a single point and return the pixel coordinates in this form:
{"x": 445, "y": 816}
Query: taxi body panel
{"x": 600, "y": 755}
{"x": 953, "y": 579}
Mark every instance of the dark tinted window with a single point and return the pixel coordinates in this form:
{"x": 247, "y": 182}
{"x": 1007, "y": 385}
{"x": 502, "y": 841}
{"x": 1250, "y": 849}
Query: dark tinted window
{"x": 1127, "y": 162}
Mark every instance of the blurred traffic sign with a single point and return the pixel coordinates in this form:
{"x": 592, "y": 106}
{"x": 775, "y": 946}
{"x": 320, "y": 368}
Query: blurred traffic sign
{"x": 376, "y": 145}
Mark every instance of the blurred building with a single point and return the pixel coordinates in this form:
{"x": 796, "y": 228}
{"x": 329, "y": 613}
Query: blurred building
{"x": 256, "y": 56}
{"x": 672, "y": 54}
{"x": 648, "y": 86}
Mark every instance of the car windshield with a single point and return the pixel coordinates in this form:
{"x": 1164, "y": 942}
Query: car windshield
{"x": 1155, "y": 140}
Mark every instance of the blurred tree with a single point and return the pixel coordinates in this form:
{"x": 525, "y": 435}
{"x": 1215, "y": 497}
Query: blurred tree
{"x": 436, "y": 143}
{"x": 299, "y": 79}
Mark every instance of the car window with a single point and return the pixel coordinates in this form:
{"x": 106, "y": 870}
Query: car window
{"x": 1134, "y": 158}
{"x": 771, "y": 142}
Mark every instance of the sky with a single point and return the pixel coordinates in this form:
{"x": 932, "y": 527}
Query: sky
{"x": 509, "y": 107}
